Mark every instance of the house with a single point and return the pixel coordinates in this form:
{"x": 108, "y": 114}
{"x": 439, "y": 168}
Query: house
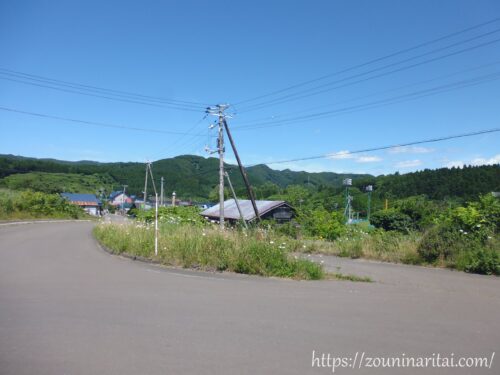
{"x": 88, "y": 202}
{"x": 119, "y": 199}
{"x": 277, "y": 210}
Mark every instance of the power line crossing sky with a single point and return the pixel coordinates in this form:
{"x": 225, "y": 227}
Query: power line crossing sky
{"x": 78, "y": 79}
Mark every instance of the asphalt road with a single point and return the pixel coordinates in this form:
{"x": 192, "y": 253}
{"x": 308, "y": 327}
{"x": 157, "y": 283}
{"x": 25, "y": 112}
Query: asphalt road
{"x": 67, "y": 307}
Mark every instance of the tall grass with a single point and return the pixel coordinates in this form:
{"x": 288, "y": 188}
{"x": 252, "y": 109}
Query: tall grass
{"x": 379, "y": 245}
{"x": 207, "y": 248}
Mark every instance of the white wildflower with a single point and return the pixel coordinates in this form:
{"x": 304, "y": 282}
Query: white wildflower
{"x": 271, "y": 242}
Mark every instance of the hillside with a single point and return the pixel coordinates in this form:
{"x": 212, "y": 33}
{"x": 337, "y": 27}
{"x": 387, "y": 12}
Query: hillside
{"x": 59, "y": 182}
{"x": 190, "y": 176}
{"x": 465, "y": 183}
{"x": 195, "y": 177}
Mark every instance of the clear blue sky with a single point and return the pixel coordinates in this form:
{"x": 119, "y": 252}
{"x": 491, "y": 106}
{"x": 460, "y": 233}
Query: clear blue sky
{"x": 230, "y": 51}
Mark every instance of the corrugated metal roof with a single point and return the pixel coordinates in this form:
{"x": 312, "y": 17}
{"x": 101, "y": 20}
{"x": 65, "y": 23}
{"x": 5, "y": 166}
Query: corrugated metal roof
{"x": 231, "y": 210}
{"x": 82, "y": 199}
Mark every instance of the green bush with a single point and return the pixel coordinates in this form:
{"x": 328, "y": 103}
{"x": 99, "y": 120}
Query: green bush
{"x": 29, "y": 204}
{"x": 392, "y": 219}
{"x": 479, "y": 259}
{"x": 323, "y": 224}
{"x": 438, "y": 242}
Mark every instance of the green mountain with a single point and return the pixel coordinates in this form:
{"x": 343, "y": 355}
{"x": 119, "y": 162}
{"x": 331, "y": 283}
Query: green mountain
{"x": 194, "y": 177}
{"x": 190, "y": 176}
{"x": 443, "y": 183}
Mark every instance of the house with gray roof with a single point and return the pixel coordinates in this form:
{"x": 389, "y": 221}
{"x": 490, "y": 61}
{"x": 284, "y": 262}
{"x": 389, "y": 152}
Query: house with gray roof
{"x": 277, "y": 210}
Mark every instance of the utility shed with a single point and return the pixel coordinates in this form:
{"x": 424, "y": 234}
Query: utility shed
{"x": 88, "y": 202}
{"x": 277, "y": 210}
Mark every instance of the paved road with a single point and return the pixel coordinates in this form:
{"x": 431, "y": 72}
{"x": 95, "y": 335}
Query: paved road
{"x": 66, "y": 307}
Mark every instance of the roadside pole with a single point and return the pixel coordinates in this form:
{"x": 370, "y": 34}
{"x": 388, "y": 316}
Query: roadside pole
{"x": 156, "y": 224}
{"x": 236, "y": 200}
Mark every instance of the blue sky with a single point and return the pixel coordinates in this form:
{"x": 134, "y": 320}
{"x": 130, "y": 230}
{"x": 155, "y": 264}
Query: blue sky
{"x": 232, "y": 51}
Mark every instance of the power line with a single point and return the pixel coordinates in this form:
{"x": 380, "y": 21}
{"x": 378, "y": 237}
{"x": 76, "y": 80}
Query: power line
{"x": 311, "y": 92}
{"x": 274, "y": 117}
{"x": 81, "y": 86}
{"x": 105, "y": 96}
{"x": 431, "y": 140}
{"x": 101, "y": 124}
{"x": 376, "y": 104}
{"x": 370, "y": 61}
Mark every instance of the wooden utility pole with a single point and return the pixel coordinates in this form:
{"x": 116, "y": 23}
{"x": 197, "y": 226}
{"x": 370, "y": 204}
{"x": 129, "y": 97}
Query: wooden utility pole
{"x": 236, "y": 200}
{"x": 146, "y": 185}
{"x": 243, "y": 172}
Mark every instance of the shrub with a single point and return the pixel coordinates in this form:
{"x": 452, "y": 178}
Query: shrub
{"x": 478, "y": 259}
{"x": 324, "y": 224}
{"x": 392, "y": 219}
{"x": 438, "y": 242}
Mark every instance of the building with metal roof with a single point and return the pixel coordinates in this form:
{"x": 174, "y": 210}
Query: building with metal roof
{"x": 277, "y": 210}
{"x": 88, "y": 202}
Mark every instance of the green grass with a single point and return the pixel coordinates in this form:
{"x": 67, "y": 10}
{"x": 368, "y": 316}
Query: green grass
{"x": 58, "y": 182}
{"x": 384, "y": 246}
{"x": 27, "y": 205}
{"x": 349, "y": 277}
{"x": 207, "y": 248}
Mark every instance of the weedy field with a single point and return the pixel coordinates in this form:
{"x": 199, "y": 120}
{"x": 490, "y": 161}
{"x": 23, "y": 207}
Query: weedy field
{"x": 205, "y": 247}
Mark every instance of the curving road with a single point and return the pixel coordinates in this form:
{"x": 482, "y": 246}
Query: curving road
{"x": 67, "y": 307}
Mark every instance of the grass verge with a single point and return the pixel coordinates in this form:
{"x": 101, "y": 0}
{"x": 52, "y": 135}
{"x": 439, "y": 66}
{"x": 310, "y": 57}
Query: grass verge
{"x": 208, "y": 249}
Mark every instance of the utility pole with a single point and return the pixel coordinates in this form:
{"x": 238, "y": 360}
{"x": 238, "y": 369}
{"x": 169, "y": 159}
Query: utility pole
{"x": 218, "y": 110}
{"x": 243, "y": 172}
{"x": 148, "y": 168}
{"x": 161, "y": 192}
{"x": 236, "y": 200}
{"x": 123, "y": 198}
{"x": 146, "y": 184}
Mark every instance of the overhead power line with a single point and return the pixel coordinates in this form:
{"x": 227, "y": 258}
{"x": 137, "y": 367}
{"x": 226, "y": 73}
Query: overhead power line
{"x": 380, "y": 148}
{"x": 369, "y": 62}
{"x": 103, "y": 96}
{"x": 375, "y": 104}
{"x": 97, "y": 88}
{"x": 460, "y": 72}
{"x": 101, "y": 124}
{"x": 325, "y": 87}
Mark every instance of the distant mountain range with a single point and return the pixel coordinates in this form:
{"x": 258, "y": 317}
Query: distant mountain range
{"x": 190, "y": 176}
{"x": 194, "y": 177}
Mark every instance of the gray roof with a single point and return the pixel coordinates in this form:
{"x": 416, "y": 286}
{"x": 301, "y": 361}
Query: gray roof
{"x": 231, "y": 211}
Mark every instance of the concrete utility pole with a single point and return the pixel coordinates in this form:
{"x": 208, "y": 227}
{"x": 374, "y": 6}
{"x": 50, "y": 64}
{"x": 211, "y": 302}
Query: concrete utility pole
{"x": 218, "y": 111}
{"x": 221, "y": 166}
{"x": 236, "y": 200}
{"x": 161, "y": 192}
